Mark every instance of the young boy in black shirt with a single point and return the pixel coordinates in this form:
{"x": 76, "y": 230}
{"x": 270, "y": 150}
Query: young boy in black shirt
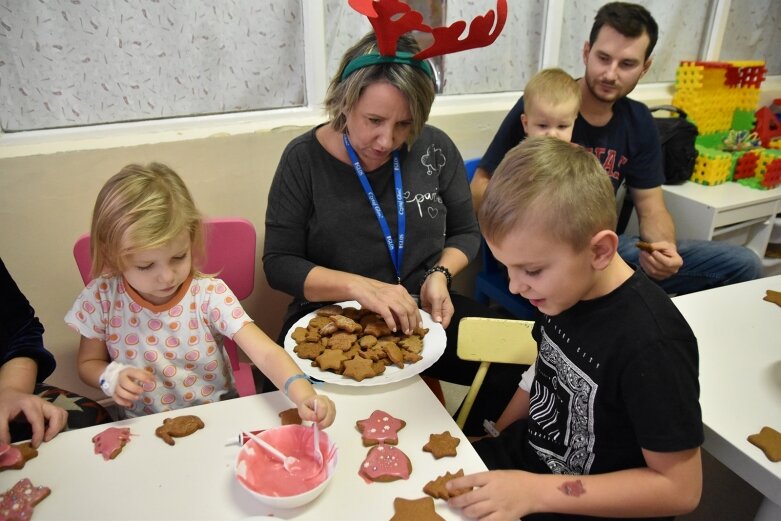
{"x": 607, "y": 422}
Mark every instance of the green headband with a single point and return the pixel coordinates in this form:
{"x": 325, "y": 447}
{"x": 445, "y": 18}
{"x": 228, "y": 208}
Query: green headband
{"x": 404, "y": 58}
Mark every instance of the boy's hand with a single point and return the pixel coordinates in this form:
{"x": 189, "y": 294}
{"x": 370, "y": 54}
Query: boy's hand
{"x": 495, "y": 495}
{"x": 326, "y": 410}
{"x": 130, "y": 386}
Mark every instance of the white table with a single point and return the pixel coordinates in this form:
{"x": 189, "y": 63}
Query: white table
{"x": 739, "y": 337}
{"x": 194, "y": 479}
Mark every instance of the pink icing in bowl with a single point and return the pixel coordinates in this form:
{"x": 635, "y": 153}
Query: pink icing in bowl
{"x": 264, "y": 477}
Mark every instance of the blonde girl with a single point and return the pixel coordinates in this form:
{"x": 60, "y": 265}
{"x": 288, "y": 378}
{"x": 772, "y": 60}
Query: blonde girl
{"x": 151, "y": 324}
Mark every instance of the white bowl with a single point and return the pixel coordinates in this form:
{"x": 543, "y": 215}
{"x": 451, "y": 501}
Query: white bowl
{"x": 262, "y": 475}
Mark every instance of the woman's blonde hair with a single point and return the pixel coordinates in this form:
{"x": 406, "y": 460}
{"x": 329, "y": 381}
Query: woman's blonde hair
{"x": 141, "y": 208}
{"x": 413, "y": 82}
{"x": 555, "y": 186}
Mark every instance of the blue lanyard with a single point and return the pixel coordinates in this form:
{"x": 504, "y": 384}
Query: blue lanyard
{"x": 396, "y": 254}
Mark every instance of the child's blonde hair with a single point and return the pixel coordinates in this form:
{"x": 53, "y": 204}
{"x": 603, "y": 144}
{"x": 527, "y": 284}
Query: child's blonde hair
{"x": 555, "y": 186}
{"x": 141, "y": 208}
{"x": 552, "y": 85}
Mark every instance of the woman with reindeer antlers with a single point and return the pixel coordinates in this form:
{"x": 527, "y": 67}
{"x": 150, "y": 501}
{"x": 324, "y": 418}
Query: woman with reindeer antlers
{"x": 374, "y": 205}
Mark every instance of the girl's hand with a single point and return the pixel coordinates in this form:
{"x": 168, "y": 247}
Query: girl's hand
{"x": 326, "y": 410}
{"x": 130, "y": 385}
{"x": 391, "y": 301}
{"x": 435, "y": 298}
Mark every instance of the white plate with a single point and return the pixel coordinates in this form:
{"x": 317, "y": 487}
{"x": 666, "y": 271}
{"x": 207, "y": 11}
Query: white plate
{"x": 433, "y": 346}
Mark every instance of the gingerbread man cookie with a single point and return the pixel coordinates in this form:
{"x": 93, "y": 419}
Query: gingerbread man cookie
{"x": 380, "y": 427}
{"x": 178, "y": 428}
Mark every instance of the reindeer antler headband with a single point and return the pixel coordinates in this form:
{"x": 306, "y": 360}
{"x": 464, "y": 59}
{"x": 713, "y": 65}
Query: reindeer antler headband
{"x": 392, "y": 18}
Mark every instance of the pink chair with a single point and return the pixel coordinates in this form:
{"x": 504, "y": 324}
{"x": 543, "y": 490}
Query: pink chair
{"x": 230, "y": 254}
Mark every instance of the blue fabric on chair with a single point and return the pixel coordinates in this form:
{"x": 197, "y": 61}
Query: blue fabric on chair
{"x": 491, "y": 283}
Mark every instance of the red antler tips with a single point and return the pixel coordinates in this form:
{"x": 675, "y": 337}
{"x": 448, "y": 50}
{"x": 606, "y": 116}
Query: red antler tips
{"x": 392, "y": 18}
{"x": 446, "y": 39}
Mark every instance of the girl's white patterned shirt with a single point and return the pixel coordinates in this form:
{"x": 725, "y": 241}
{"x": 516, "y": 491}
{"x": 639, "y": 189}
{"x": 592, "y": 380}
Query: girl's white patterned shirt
{"x": 180, "y": 342}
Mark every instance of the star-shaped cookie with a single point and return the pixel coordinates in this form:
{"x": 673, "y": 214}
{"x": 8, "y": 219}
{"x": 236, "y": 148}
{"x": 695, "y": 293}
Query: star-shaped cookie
{"x": 358, "y": 368}
{"x": 441, "y": 445}
{"x": 769, "y": 440}
{"x": 380, "y": 427}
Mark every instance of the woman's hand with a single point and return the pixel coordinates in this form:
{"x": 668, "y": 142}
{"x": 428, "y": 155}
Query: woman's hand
{"x": 391, "y": 301}
{"x": 131, "y": 385}
{"x": 435, "y": 298}
{"x": 45, "y": 418}
{"x": 326, "y": 410}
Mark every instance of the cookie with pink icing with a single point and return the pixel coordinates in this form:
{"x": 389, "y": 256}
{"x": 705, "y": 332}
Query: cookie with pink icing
{"x": 110, "y": 442}
{"x": 385, "y": 463}
{"x": 15, "y": 456}
{"x": 380, "y": 427}
{"x": 19, "y": 500}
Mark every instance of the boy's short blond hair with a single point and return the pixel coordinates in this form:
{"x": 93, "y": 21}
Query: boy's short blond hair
{"x": 552, "y": 185}
{"x": 552, "y": 85}
{"x": 141, "y": 208}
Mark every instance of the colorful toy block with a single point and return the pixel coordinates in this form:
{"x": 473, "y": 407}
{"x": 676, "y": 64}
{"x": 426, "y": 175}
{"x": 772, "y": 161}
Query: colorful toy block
{"x": 735, "y": 142}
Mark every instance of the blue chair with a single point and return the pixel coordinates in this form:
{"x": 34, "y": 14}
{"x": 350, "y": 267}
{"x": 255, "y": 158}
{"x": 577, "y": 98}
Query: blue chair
{"x": 491, "y": 283}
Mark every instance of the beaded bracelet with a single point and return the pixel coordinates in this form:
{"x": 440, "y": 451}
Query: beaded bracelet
{"x": 293, "y": 379}
{"x": 440, "y": 269}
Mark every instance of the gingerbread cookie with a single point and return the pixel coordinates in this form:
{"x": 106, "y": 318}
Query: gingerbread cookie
{"x": 645, "y": 246}
{"x": 358, "y": 368}
{"x": 769, "y": 440}
{"x": 380, "y": 427}
{"x": 290, "y": 417}
{"x": 110, "y": 442}
{"x": 437, "y": 489}
{"x": 415, "y": 510}
{"x": 773, "y": 296}
{"x": 17, "y": 503}
{"x": 15, "y": 456}
{"x": 385, "y": 463}
{"x": 441, "y": 445}
{"x": 327, "y": 311}
{"x": 178, "y": 427}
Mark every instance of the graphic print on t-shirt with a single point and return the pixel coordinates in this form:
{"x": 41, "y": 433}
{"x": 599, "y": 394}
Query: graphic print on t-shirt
{"x": 429, "y": 203}
{"x": 561, "y": 411}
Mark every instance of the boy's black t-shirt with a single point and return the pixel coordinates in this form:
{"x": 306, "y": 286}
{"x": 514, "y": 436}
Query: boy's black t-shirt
{"x": 614, "y": 375}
